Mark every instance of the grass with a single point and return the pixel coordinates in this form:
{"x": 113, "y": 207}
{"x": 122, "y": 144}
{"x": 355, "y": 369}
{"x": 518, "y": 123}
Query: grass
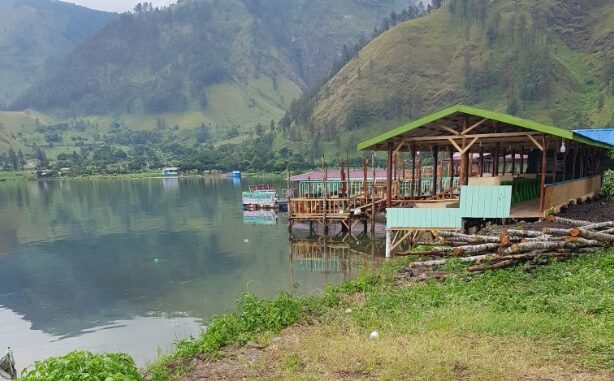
{"x": 15, "y": 176}
{"x": 557, "y": 321}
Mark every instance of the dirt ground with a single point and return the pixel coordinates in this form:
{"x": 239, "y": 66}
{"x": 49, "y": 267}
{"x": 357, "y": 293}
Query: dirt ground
{"x": 298, "y": 353}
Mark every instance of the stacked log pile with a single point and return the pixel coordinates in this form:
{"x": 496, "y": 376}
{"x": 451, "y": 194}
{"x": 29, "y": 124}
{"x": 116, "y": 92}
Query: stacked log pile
{"x": 511, "y": 247}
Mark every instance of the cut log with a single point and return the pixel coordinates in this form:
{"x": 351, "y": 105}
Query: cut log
{"x": 532, "y": 246}
{"x": 460, "y": 237}
{"x": 608, "y": 231}
{"x": 566, "y": 221}
{"x": 436, "y": 251}
{"x": 524, "y": 233}
{"x": 599, "y": 225}
{"x": 493, "y": 266}
{"x": 475, "y": 249}
{"x": 583, "y": 242}
{"x": 556, "y": 231}
{"x": 439, "y": 262}
{"x": 590, "y": 234}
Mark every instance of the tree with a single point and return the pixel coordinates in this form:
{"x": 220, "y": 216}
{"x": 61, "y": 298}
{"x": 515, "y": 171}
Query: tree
{"x": 13, "y": 158}
{"x": 22, "y": 160}
{"x": 41, "y": 157}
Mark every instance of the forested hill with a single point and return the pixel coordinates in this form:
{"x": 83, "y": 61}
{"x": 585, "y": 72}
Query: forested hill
{"x": 228, "y": 62}
{"x": 35, "y": 35}
{"x": 552, "y": 60}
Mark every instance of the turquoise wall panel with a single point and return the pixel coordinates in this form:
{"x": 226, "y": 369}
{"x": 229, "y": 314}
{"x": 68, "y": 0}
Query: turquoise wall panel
{"x": 486, "y": 201}
{"x": 416, "y": 218}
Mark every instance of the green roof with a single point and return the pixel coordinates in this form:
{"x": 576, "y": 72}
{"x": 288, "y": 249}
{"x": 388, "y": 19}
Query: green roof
{"x": 492, "y": 115}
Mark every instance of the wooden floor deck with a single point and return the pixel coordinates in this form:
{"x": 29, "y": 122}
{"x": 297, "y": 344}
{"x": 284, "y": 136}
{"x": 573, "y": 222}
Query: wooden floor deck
{"x": 526, "y": 209}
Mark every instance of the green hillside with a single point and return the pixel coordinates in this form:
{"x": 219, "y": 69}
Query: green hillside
{"x": 35, "y": 35}
{"x": 549, "y": 60}
{"x": 226, "y": 63}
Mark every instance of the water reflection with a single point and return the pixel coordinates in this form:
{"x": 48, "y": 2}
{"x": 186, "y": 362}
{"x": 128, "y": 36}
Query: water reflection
{"x": 329, "y": 255}
{"x": 259, "y": 217}
{"x": 83, "y": 264}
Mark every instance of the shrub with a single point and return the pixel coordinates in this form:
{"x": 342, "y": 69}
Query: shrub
{"x": 607, "y": 185}
{"x": 83, "y": 365}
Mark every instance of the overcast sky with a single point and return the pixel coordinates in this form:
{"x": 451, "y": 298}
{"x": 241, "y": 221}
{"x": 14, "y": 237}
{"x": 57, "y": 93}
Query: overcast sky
{"x": 117, "y": 5}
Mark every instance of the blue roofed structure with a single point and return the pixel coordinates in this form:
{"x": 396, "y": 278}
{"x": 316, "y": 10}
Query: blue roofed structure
{"x": 603, "y": 135}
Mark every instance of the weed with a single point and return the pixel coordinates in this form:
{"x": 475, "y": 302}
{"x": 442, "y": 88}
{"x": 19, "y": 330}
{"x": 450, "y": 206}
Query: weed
{"x": 83, "y": 365}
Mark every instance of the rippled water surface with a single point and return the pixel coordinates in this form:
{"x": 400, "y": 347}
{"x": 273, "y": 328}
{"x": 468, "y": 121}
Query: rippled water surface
{"x": 132, "y": 265}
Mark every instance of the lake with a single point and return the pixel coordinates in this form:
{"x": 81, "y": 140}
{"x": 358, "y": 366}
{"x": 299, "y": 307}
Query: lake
{"x": 133, "y": 265}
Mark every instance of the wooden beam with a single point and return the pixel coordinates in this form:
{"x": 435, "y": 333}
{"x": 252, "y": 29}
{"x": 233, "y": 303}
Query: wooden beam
{"x": 473, "y": 126}
{"x": 480, "y": 136}
{"x": 470, "y": 144}
{"x": 458, "y": 148}
{"x": 539, "y": 146}
{"x": 399, "y": 147}
{"x": 449, "y": 129}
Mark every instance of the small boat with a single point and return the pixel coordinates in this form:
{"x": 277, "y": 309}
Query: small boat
{"x": 7, "y": 366}
{"x": 169, "y": 171}
{"x": 263, "y": 196}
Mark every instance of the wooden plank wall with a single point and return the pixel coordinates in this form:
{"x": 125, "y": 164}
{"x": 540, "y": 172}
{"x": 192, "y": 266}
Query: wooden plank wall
{"x": 560, "y": 194}
{"x": 483, "y": 201}
{"x": 416, "y": 218}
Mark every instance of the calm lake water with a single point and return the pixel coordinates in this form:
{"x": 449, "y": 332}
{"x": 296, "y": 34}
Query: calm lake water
{"x": 133, "y": 265}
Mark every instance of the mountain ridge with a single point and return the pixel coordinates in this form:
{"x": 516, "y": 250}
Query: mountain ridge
{"x": 36, "y": 35}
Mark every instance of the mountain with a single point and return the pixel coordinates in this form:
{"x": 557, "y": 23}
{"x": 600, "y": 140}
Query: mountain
{"x": 550, "y": 60}
{"x": 231, "y": 62}
{"x": 35, "y": 35}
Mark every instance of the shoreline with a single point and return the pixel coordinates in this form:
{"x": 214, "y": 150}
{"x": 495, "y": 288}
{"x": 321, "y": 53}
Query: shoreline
{"x": 22, "y": 176}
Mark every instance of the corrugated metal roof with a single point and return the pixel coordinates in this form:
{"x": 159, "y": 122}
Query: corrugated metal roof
{"x": 604, "y": 135}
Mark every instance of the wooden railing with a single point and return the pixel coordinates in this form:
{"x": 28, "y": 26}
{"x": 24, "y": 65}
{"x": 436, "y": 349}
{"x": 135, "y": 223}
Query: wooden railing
{"x": 560, "y": 194}
{"x": 306, "y": 208}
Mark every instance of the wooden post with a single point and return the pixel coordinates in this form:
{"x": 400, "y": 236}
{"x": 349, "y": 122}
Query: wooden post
{"x": 481, "y": 162}
{"x": 504, "y": 162}
{"x": 543, "y": 177}
{"x": 521, "y": 160}
{"x": 564, "y": 178}
{"x": 413, "y": 171}
{"x": 389, "y": 177}
{"x": 435, "y": 153}
{"x": 554, "y": 157}
{"x": 582, "y": 154}
{"x": 324, "y": 192}
{"x": 495, "y": 160}
{"x": 373, "y": 194}
{"x": 343, "y": 183}
{"x": 419, "y": 174}
{"x": 365, "y": 171}
{"x": 451, "y": 166}
{"x": 575, "y": 159}
{"x": 388, "y": 243}
{"x": 464, "y": 162}
{"x": 441, "y": 175}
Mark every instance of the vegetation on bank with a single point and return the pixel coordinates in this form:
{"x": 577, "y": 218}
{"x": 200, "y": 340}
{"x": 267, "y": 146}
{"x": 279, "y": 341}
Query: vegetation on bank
{"x": 499, "y": 325}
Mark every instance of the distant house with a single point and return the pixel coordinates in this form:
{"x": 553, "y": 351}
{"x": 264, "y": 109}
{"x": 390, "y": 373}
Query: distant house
{"x": 169, "y": 171}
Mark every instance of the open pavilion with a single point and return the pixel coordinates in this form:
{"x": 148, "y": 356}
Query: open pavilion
{"x": 535, "y": 168}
